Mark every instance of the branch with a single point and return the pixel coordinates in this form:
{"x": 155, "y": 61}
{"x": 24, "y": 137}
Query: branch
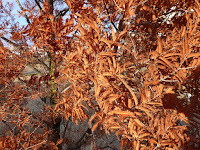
{"x": 19, "y": 46}
{"x": 36, "y": 145}
{"x": 9, "y": 41}
{"x": 61, "y": 13}
{"x": 35, "y": 69}
{"x": 38, "y": 4}
{"x": 42, "y": 62}
{"x": 118, "y": 6}
{"x": 27, "y": 19}
{"x": 21, "y": 79}
{"x": 66, "y": 88}
{"x": 121, "y": 23}
{"x": 51, "y": 6}
{"x": 109, "y": 16}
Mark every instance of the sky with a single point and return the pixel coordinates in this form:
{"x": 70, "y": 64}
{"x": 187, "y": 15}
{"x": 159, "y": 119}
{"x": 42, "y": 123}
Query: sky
{"x": 22, "y": 19}
{"x": 15, "y": 11}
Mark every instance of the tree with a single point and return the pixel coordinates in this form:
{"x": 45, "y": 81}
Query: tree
{"x": 130, "y": 68}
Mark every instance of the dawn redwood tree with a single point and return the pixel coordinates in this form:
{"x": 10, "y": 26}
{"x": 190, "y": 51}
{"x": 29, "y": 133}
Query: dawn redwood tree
{"x": 128, "y": 67}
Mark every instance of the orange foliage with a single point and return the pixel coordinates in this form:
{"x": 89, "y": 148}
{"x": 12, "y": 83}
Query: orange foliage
{"x": 128, "y": 66}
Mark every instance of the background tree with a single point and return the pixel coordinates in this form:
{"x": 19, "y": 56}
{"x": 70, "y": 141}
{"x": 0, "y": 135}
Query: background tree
{"x": 127, "y": 67}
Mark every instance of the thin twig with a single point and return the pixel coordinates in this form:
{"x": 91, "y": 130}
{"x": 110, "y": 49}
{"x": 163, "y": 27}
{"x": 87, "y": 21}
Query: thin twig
{"x": 187, "y": 68}
{"x": 65, "y": 89}
{"x": 175, "y": 71}
{"x": 168, "y": 80}
{"x": 36, "y": 144}
{"x": 118, "y": 6}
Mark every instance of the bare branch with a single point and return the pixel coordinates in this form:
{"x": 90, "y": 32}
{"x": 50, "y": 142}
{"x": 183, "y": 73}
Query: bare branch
{"x": 51, "y": 6}
{"x": 9, "y": 41}
{"x": 38, "y": 4}
{"x": 66, "y": 88}
{"x": 27, "y": 19}
{"x": 36, "y": 145}
{"x": 62, "y": 12}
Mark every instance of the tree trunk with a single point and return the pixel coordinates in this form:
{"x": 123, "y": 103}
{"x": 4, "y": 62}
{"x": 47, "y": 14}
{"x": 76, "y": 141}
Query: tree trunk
{"x": 55, "y": 123}
{"x": 55, "y": 127}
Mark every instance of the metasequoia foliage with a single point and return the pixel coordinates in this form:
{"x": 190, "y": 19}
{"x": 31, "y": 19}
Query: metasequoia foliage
{"x": 130, "y": 66}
